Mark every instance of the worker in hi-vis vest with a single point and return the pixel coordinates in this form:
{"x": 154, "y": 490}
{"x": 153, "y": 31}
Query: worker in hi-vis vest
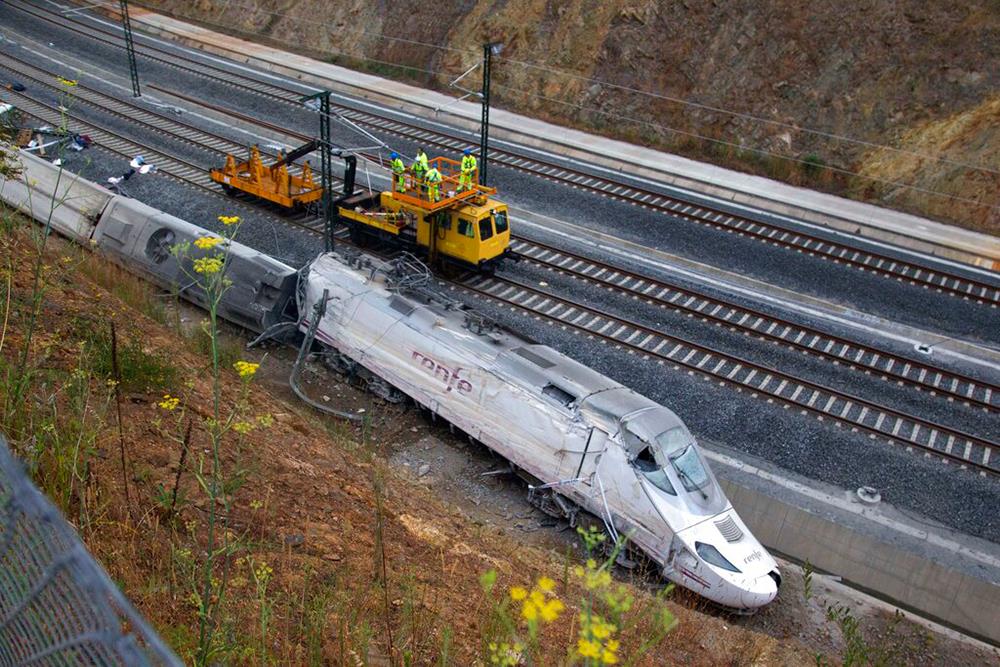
{"x": 399, "y": 170}
{"x": 419, "y": 168}
{"x": 433, "y": 178}
{"x": 469, "y": 166}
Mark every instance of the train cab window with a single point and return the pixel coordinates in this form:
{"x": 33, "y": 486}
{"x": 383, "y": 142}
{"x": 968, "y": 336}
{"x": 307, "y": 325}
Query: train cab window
{"x": 465, "y": 228}
{"x": 500, "y": 221}
{"x": 689, "y": 469}
{"x": 646, "y": 464}
{"x": 559, "y": 396}
{"x": 485, "y": 229}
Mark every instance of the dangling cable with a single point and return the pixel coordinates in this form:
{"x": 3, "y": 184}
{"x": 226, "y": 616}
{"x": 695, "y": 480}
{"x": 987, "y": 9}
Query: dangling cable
{"x": 293, "y": 380}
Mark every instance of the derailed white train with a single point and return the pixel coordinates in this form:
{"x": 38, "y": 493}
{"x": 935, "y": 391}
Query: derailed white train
{"x": 596, "y": 443}
{"x": 591, "y": 442}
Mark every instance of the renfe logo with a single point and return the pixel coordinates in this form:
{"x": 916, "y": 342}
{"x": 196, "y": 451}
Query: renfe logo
{"x": 443, "y": 373}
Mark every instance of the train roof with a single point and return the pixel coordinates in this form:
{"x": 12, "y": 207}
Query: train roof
{"x": 507, "y": 352}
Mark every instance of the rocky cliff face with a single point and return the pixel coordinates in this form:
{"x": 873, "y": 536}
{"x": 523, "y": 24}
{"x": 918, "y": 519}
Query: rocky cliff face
{"x": 730, "y": 82}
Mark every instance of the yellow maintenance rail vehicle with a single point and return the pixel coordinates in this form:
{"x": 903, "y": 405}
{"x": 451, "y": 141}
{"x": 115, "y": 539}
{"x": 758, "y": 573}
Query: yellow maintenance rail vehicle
{"x": 273, "y": 183}
{"x": 454, "y": 222}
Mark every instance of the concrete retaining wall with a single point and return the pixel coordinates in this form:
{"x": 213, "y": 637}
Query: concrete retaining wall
{"x": 908, "y": 579}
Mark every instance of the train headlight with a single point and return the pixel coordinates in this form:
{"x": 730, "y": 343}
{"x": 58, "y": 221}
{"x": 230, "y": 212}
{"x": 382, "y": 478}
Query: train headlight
{"x": 711, "y": 555}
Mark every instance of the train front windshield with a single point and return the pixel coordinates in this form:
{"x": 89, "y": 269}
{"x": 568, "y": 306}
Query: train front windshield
{"x": 671, "y": 461}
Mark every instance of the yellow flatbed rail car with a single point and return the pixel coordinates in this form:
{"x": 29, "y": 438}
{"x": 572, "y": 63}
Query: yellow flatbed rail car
{"x": 274, "y": 182}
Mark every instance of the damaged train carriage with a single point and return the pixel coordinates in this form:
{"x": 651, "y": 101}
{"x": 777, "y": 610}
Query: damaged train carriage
{"x": 595, "y": 443}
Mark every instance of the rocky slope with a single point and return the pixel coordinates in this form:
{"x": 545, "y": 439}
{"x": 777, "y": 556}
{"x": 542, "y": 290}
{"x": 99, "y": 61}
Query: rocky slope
{"x": 916, "y": 76}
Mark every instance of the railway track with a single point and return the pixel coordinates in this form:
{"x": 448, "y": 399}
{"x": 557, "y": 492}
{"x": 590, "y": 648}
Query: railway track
{"x": 182, "y": 170}
{"x": 891, "y": 367}
{"x": 857, "y": 413}
{"x": 937, "y": 279}
{"x": 954, "y": 386}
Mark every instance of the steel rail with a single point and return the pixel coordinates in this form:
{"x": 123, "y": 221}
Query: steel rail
{"x": 837, "y": 349}
{"x": 933, "y": 439}
{"x": 168, "y": 59}
{"x": 751, "y": 321}
{"x": 179, "y": 169}
{"x": 904, "y": 370}
{"x": 856, "y": 412}
{"x": 965, "y": 287}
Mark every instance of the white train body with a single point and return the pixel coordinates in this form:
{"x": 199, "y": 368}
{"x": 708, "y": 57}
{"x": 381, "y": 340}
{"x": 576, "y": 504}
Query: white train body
{"x": 604, "y": 447}
{"x": 607, "y": 449}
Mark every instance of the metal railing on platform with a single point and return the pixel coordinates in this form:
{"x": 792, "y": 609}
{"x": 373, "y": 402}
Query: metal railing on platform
{"x": 57, "y": 604}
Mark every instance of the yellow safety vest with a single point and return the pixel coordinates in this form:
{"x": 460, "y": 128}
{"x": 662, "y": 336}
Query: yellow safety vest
{"x": 469, "y": 163}
{"x": 397, "y": 166}
{"x": 433, "y": 176}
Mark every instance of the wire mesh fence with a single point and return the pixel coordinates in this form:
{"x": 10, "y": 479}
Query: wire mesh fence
{"x": 57, "y": 605}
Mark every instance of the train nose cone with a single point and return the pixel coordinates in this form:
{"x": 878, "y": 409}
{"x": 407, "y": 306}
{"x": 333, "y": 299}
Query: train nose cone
{"x": 759, "y": 593}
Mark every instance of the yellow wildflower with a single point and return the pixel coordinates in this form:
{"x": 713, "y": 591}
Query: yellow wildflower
{"x": 550, "y": 610}
{"x": 229, "y": 219}
{"x": 265, "y": 420}
{"x": 595, "y": 640}
{"x": 169, "y": 402}
{"x": 262, "y": 573}
{"x": 537, "y": 598}
{"x": 246, "y": 369}
{"x": 208, "y": 242}
{"x": 537, "y": 604}
{"x": 208, "y": 265}
{"x": 588, "y": 649}
{"x": 242, "y": 427}
{"x": 601, "y": 630}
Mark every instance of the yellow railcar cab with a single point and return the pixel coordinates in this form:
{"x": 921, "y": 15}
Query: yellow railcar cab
{"x": 473, "y": 232}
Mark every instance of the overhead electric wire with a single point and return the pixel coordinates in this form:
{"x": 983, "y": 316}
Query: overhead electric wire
{"x": 676, "y": 100}
{"x": 748, "y": 148}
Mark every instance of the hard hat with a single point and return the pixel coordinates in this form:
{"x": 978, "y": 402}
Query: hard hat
{"x": 394, "y": 155}
{"x": 467, "y": 151}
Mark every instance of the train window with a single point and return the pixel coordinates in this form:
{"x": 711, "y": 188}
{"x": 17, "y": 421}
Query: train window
{"x": 485, "y": 229}
{"x": 560, "y": 396}
{"x": 465, "y": 228}
{"x": 500, "y": 221}
{"x": 689, "y": 469}
{"x": 646, "y": 464}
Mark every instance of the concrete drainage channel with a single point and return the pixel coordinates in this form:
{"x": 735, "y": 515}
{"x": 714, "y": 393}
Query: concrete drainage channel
{"x": 949, "y": 578}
